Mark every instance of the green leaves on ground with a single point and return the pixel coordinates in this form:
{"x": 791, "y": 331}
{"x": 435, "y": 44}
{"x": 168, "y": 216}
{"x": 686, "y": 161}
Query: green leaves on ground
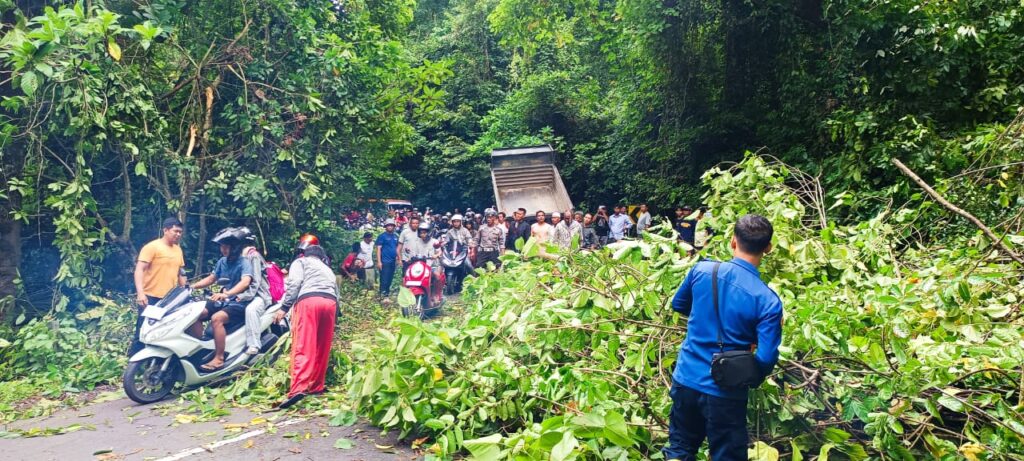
{"x": 883, "y": 352}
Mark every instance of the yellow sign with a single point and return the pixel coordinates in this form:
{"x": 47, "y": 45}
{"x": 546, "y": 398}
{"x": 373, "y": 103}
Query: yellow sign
{"x": 633, "y": 211}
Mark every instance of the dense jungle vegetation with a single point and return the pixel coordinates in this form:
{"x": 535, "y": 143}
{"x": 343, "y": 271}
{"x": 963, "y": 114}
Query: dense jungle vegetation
{"x": 903, "y": 331}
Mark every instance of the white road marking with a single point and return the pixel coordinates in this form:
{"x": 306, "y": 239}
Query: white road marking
{"x": 211, "y": 446}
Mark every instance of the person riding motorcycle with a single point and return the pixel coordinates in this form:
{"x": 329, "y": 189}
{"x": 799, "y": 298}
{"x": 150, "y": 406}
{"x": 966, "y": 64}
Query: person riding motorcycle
{"x": 235, "y": 274}
{"x": 459, "y": 234}
{"x": 429, "y": 249}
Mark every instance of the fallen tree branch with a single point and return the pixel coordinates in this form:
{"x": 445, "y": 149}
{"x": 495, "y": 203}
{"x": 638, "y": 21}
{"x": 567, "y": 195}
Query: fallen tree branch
{"x": 951, "y": 207}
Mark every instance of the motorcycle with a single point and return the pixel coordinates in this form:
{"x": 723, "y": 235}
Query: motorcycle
{"x": 454, "y": 258}
{"x": 172, "y": 357}
{"x": 418, "y": 279}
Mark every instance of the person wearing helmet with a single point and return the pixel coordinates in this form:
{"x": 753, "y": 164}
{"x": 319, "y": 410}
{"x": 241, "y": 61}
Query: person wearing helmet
{"x": 235, "y": 275}
{"x": 491, "y": 241}
{"x": 459, "y": 233}
{"x": 387, "y": 253}
{"x": 427, "y": 248}
{"x": 423, "y": 246}
{"x": 311, "y": 295}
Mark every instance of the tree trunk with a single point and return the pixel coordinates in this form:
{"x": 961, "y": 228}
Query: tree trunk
{"x": 201, "y": 244}
{"x": 10, "y": 258}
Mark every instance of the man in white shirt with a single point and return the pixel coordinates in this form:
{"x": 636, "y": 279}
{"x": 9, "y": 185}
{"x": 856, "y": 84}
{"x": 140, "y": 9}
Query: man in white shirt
{"x": 365, "y": 255}
{"x": 540, "y": 230}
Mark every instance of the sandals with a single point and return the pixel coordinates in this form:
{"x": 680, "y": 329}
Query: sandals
{"x": 209, "y": 368}
{"x": 291, "y": 400}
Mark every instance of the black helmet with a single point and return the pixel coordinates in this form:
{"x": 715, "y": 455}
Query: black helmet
{"x": 233, "y": 236}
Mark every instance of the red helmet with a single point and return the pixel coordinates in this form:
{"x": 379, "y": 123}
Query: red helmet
{"x": 306, "y": 241}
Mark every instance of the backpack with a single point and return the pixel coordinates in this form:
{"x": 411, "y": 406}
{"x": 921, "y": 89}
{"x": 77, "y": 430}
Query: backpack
{"x": 273, "y": 275}
{"x": 275, "y": 281}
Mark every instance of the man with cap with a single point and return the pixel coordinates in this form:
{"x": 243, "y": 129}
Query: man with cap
{"x": 685, "y": 225}
{"x": 560, "y": 235}
{"x": 387, "y": 253}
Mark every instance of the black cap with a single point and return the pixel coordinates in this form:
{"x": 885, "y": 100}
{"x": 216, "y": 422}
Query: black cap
{"x": 367, "y": 234}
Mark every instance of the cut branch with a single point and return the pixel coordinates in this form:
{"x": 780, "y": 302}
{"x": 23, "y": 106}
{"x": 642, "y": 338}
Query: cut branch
{"x": 951, "y": 207}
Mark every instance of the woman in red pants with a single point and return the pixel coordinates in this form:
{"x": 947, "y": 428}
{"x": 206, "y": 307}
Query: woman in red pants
{"x": 313, "y": 290}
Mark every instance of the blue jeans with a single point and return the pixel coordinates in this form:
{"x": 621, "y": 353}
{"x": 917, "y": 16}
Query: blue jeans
{"x": 387, "y": 275}
{"x": 696, "y": 416}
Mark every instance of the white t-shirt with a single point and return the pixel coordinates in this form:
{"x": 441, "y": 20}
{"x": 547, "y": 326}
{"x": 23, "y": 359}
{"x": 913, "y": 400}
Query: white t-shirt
{"x": 542, "y": 232}
{"x": 366, "y": 253}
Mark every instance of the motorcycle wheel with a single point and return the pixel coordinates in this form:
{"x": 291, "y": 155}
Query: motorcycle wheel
{"x": 142, "y": 381}
{"x": 449, "y": 283}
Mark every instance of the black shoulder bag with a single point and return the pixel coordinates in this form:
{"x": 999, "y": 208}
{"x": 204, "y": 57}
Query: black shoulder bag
{"x": 732, "y": 369}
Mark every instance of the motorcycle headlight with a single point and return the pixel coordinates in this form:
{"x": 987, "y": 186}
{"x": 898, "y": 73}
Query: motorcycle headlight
{"x": 165, "y": 326}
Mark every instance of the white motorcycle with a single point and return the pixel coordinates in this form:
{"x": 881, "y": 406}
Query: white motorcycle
{"x": 173, "y": 357}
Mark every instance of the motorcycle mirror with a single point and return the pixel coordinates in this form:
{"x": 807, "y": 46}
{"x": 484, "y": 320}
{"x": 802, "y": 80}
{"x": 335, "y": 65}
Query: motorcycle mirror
{"x": 223, "y": 281}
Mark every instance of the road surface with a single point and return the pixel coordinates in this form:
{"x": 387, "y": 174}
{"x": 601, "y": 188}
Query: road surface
{"x": 122, "y": 430}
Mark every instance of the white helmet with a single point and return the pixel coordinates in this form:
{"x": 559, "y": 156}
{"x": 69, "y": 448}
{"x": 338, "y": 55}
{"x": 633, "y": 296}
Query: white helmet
{"x": 457, "y": 217}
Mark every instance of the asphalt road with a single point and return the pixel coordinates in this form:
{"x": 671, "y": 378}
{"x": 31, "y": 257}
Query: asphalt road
{"x": 123, "y": 430}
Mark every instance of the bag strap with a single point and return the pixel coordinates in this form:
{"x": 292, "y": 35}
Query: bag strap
{"x": 714, "y": 297}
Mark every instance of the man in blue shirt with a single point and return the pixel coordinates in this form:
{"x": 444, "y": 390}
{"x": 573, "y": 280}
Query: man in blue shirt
{"x": 387, "y": 252}
{"x": 619, "y": 223}
{"x": 751, "y": 319}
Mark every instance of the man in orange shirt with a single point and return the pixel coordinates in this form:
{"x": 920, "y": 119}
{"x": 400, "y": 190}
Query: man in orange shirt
{"x": 159, "y": 269}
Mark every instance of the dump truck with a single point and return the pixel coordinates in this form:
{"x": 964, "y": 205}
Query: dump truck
{"x": 526, "y": 177}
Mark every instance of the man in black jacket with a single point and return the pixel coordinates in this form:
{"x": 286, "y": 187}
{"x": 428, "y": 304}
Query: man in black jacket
{"x": 518, "y": 228}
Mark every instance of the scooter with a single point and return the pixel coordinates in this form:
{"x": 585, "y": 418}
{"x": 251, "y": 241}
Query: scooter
{"x": 454, "y": 258}
{"x": 173, "y": 357}
{"x": 418, "y": 279}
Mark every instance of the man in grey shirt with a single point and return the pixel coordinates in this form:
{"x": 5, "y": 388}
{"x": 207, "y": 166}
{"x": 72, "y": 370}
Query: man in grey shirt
{"x": 643, "y": 221}
{"x": 404, "y": 238}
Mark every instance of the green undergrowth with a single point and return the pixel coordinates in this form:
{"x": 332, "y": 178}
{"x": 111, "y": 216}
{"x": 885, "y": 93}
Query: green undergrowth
{"x": 893, "y": 349}
{"x": 59, "y": 360}
{"x": 265, "y": 384}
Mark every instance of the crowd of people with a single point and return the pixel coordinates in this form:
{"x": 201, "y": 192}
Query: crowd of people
{"x": 374, "y": 259}
{"x": 728, "y": 349}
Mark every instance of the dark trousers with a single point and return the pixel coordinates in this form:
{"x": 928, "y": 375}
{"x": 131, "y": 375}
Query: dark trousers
{"x": 696, "y": 416}
{"x": 483, "y": 257}
{"x": 387, "y": 275}
{"x": 136, "y": 344}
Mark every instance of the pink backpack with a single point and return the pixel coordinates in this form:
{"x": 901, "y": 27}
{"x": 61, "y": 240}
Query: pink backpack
{"x": 274, "y": 275}
{"x": 275, "y": 281}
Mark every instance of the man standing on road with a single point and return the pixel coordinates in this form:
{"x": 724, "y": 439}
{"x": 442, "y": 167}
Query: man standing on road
{"x": 492, "y": 241}
{"x": 365, "y": 254}
{"x": 560, "y": 235}
{"x": 159, "y": 268}
{"x": 685, "y": 225}
{"x": 743, "y": 315}
{"x": 576, "y": 228}
{"x": 404, "y": 238}
{"x": 519, "y": 228}
{"x": 540, "y": 230}
{"x": 387, "y": 252}
{"x": 619, "y": 224}
{"x": 643, "y": 221}
{"x": 589, "y": 241}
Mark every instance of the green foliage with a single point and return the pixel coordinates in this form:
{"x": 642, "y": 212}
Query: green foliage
{"x": 910, "y": 355}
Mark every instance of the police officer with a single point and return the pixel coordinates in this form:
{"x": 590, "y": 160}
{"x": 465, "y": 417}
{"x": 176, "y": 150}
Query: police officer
{"x": 748, "y": 317}
{"x": 492, "y": 241}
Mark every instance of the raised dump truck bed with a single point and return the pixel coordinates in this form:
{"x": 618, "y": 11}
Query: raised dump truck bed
{"x": 526, "y": 177}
